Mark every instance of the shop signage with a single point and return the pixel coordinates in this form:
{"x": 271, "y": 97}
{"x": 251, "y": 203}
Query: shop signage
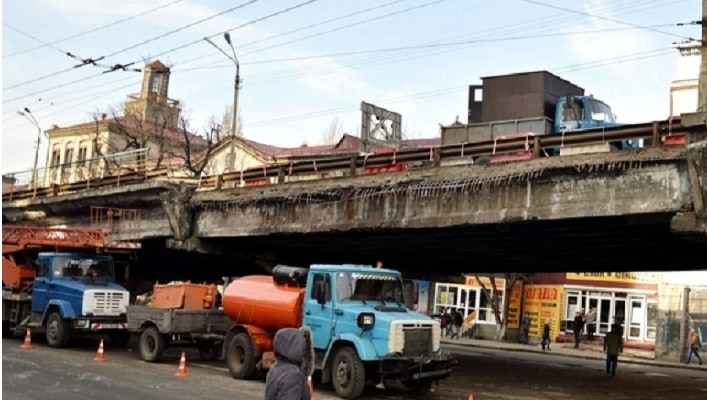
{"x": 542, "y": 302}
{"x": 624, "y": 277}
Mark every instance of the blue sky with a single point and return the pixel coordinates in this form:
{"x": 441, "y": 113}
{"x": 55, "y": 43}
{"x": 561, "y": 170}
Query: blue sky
{"x": 305, "y": 67}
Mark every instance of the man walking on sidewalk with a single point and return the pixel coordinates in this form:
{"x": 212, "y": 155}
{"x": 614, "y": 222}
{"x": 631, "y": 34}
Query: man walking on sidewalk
{"x": 613, "y": 345}
{"x": 577, "y": 326}
{"x": 694, "y": 347}
{"x": 591, "y": 323}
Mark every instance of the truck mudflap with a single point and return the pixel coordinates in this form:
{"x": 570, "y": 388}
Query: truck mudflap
{"x": 412, "y": 368}
{"x": 90, "y": 325}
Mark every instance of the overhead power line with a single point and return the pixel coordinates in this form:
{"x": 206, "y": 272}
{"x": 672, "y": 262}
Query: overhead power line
{"x": 92, "y": 30}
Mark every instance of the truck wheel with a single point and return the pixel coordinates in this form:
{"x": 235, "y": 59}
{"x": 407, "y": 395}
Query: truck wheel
{"x": 348, "y": 374}
{"x": 57, "y": 330}
{"x": 152, "y": 345}
{"x": 240, "y": 358}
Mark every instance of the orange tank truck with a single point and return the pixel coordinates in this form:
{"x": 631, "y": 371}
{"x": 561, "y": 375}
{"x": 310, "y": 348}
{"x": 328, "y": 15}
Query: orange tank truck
{"x": 260, "y": 305}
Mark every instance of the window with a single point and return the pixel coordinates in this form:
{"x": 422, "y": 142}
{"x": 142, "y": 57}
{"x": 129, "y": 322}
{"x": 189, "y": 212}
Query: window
{"x": 321, "y": 284}
{"x": 56, "y": 158}
{"x": 68, "y": 156}
{"x": 83, "y": 151}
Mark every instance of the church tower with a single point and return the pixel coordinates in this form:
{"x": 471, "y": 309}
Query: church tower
{"x": 153, "y": 104}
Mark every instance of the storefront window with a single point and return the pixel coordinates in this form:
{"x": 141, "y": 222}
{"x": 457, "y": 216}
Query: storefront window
{"x": 651, "y": 319}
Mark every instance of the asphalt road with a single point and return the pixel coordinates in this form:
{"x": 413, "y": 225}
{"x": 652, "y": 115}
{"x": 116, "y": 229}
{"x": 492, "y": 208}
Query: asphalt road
{"x": 46, "y": 373}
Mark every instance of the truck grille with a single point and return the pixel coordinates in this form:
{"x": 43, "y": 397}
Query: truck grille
{"x": 418, "y": 340}
{"x": 105, "y": 302}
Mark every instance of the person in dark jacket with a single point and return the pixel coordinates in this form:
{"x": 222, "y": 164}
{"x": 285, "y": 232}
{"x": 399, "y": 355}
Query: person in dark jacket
{"x": 457, "y": 321}
{"x": 546, "y": 335}
{"x": 613, "y": 345}
{"x": 577, "y": 327}
{"x": 287, "y": 379}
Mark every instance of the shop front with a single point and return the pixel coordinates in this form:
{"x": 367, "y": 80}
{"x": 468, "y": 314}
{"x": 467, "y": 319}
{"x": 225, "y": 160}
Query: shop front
{"x": 626, "y": 299}
{"x": 470, "y": 299}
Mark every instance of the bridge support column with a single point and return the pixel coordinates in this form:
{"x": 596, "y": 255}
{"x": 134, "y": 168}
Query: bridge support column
{"x": 176, "y": 206}
{"x": 693, "y": 225}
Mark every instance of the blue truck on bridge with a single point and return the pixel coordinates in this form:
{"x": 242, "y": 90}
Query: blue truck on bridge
{"x": 531, "y": 103}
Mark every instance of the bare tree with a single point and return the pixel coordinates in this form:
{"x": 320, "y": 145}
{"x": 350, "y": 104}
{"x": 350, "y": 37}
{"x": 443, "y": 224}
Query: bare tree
{"x": 335, "y": 130}
{"x": 226, "y": 121}
{"x": 194, "y": 150}
{"x": 492, "y": 298}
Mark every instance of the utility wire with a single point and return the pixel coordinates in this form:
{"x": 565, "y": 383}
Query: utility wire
{"x": 602, "y": 18}
{"x": 91, "y": 30}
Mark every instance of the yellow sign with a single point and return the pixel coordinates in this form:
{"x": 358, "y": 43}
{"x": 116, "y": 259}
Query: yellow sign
{"x": 472, "y": 281}
{"x": 514, "y": 299}
{"x": 625, "y": 277}
{"x": 543, "y": 302}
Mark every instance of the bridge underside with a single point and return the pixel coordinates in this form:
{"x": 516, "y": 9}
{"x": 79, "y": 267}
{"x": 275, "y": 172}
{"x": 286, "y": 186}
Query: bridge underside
{"x": 637, "y": 243}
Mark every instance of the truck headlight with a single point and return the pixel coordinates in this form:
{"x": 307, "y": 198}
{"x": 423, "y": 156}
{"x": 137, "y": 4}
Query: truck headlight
{"x": 366, "y": 320}
{"x": 80, "y": 323}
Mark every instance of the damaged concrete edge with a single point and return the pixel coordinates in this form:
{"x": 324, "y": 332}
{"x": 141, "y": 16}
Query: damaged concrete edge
{"x": 438, "y": 180}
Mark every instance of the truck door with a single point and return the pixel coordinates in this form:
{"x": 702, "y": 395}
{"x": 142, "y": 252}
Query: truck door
{"x": 40, "y": 293}
{"x": 317, "y": 316}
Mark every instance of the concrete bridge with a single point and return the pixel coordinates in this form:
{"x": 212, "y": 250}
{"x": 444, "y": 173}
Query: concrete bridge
{"x": 631, "y": 210}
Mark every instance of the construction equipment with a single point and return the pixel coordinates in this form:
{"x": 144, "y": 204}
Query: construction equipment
{"x": 54, "y": 279}
{"x": 362, "y": 332}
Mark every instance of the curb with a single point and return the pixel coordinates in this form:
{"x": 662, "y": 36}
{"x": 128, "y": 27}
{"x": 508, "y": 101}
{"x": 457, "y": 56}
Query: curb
{"x": 585, "y": 354}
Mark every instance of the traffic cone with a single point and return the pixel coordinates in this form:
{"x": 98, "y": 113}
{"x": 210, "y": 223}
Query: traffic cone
{"x": 99, "y": 355}
{"x": 182, "y": 371}
{"x": 471, "y": 396}
{"x": 311, "y": 388}
{"x": 28, "y": 341}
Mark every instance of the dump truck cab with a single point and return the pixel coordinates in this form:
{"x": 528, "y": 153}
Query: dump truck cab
{"x": 582, "y": 112}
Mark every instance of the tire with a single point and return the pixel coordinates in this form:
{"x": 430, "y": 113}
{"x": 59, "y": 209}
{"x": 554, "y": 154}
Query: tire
{"x": 152, "y": 345}
{"x": 348, "y": 375}
{"x": 240, "y": 357}
{"x": 57, "y": 331}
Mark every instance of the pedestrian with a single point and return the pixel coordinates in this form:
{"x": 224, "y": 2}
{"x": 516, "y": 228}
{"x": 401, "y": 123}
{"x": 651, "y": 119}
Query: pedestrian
{"x": 546, "y": 335}
{"x": 444, "y": 322}
{"x": 694, "y": 347}
{"x": 577, "y": 326}
{"x": 447, "y": 318}
{"x": 457, "y": 321}
{"x": 591, "y": 323}
{"x": 287, "y": 379}
{"x": 613, "y": 345}
{"x": 524, "y": 328}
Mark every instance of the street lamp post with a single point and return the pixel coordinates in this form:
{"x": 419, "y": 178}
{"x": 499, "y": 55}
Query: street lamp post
{"x": 236, "y": 89}
{"x": 30, "y": 117}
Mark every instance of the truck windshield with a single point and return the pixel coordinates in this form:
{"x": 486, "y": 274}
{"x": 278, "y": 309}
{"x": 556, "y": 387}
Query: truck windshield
{"x": 78, "y": 267}
{"x": 600, "y": 111}
{"x": 368, "y": 287}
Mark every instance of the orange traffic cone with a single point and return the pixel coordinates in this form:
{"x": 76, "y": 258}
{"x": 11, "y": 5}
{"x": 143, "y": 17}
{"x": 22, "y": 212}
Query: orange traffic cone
{"x": 311, "y": 388}
{"x": 99, "y": 356}
{"x": 28, "y": 341}
{"x": 471, "y": 396}
{"x": 182, "y": 371}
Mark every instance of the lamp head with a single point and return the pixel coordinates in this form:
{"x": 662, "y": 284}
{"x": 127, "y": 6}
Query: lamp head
{"x": 227, "y": 36}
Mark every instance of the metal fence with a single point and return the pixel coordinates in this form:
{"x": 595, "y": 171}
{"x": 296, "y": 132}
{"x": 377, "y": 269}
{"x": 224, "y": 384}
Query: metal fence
{"x": 82, "y": 174}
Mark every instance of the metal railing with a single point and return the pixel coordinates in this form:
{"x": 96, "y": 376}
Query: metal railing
{"x": 659, "y": 133}
{"x": 114, "y": 169}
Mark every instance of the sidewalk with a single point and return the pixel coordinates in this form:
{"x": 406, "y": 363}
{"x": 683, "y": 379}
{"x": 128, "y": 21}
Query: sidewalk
{"x": 586, "y": 350}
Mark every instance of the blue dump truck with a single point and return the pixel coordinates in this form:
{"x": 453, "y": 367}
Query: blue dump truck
{"x": 537, "y": 103}
{"x": 362, "y": 332}
{"x": 61, "y": 293}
